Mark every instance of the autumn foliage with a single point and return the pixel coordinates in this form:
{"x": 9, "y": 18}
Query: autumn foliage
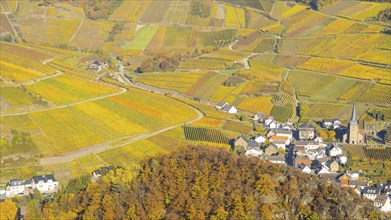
{"x": 209, "y": 183}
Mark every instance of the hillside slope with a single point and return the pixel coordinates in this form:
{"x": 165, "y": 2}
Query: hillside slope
{"x": 200, "y": 183}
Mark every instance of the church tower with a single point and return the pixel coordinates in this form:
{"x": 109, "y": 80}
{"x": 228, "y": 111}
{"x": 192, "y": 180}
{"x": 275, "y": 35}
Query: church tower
{"x": 353, "y": 127}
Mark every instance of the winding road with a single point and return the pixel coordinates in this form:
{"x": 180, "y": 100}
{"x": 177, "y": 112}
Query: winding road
{"x": 102, "y": 147}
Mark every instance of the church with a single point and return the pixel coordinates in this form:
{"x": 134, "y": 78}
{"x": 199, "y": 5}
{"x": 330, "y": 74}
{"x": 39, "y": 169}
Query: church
{"x": 354, "y": 134}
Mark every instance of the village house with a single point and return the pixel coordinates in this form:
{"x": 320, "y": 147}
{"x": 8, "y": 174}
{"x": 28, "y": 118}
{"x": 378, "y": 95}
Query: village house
{"x": 45, "y": 183}
{"x": 269, "y": 122}
{"x": 315, "y": 154}
{"x": 341, "y": 159}
{"x": 225, "y": 107}
{"x": 260, "y": 139}
{"x": 304, "y": 168}
{"x": 258, "y": 116}
{"x": 220, "y": 105}
{"x": 332, "y": 150}
{"x": 383, "y": 202}
{"x": 271, "y": 149}
{"x": 246, "y": 143}
{"x": 330, "y": 177}
{"x": 280, "y": 133}
{"x": 15, "y": 187}
{"x": 99, "y": 172}
{"x": 306, "y": 131}
{"x": 308, "y": 145}
{"x": 279, "y": 159}
{"x": 370, "y": 193}
{"x": 254, "y": 152}
{"x": 302, "y": 160}
{"x": 280, "y": 141}
{"x": 358, "y": 184}
{"x": 331, "y": 123}
{"x": 332, "y": 165}
{"x": 386, "y": 189}
{"x": 94, "y": 66}
{"x": 229, "y": 109}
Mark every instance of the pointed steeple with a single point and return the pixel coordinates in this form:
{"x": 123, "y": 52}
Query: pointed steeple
{"x": 353, "y": 120}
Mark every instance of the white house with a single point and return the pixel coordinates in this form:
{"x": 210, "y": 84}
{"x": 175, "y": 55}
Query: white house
{"x": 258, "y": 116}
{"x": 260, "y": 139}
{"x": 280, "y": 141}
{"x": 304, "y": 168}
{"x": 269, "y": 122}
{"x": 370, "y": 193}
{"x": 331, "y": 123}
{"x": 342, "y": 160}
{"x": 308, "y": 145}
{"x": 253, "y": 152}
{"x": 353, "y": 174}
{"x": 280, "y": 133}
{"x": 383, "y": 202}
{"x": 230, "y": 109}
{"x": 220, "y": 105}
{"x": 95, "y": 66}
{"x": 15, "y": 187}
{"x": 45, "y": 183}
{"x": 314, "y": 154}
{"x": 332, "y": 150}
{"x": 323, "y": 170}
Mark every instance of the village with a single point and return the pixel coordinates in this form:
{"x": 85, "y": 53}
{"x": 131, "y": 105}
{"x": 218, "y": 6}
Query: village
{"x": 303, "y": 149}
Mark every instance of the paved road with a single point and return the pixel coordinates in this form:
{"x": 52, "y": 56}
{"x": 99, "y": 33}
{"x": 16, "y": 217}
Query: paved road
{"x": 122, "y": 90}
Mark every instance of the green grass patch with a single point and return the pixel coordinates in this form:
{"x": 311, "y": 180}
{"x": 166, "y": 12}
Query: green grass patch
{"x": 142, "y": 38}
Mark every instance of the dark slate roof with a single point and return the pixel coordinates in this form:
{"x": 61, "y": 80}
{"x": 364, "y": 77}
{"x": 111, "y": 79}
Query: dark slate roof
{"x": 102, "y": 170}
{"x": 252, "y": 143}
{"x": 306, "y": 126}
{"x": 283, "y": 131}
{"x": 28, "y": 182}
{"x": 96, "y": 63}
{"x": 371, "y": 190}
{"x": 221, "y": 104}
{"x": 226, "y": 107}
{"x": 44, "y": 178}
{"x": 15, "y": 182}
{"x": 329, "y": 162}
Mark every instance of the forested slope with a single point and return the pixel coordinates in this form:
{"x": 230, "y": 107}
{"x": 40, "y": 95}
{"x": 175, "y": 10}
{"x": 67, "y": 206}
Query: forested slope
{"x": 204, "y": 183}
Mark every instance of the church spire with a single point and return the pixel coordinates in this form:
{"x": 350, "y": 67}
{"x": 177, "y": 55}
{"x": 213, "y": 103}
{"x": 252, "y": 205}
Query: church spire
{"x": 353, "y": 120}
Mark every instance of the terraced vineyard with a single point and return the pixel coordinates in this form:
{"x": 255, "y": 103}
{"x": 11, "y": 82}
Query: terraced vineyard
{"x": 205, "y": 134}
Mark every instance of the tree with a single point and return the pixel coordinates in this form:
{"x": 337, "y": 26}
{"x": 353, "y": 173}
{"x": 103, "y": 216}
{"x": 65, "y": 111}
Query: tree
{"x": 387, "y": 136}
{"x": 331, "y": 133}
{"x": 8, "y": 210}
{"x": 323, "y": 135}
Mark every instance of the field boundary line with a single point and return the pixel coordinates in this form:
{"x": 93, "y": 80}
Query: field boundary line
{"x": 77, "y": 30}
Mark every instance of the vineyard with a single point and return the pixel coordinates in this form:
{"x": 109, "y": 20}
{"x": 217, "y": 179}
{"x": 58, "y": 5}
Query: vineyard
{"x": 205, "y": 134}
{"x": 206, "y": 64}
{"x": 180, "y": 81}
{"x": 63, "y": 130}
{"x": 239, "y": 127}
{"x": 67, "y": 88}
{"x": 209, "y": 122}
{"x": 257, "y": 104}
{"x": 376, "y": 153}
{"x": 282, "y": 113}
